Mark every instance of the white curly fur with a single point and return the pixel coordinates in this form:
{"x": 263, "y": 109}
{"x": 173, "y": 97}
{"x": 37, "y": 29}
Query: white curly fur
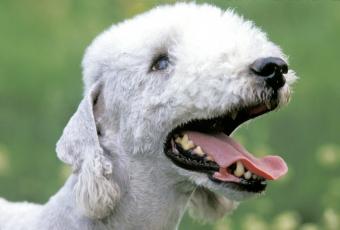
{"x": 96, "y": 193}
{"x": 114, "y": 142}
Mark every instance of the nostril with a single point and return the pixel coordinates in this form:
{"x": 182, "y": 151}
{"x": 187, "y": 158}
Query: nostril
{"x": 271, "y": 70}
{"x": 270, "y": 66}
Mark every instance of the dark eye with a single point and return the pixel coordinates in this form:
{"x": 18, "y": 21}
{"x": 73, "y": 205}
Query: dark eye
{"x": 161, "y": 63}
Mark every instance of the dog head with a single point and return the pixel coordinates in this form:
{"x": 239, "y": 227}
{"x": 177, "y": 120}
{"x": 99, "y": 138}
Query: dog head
{"x": 173, "y": 84}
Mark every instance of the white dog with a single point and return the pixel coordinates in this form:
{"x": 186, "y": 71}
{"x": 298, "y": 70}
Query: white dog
{"x": 163, "y": 92}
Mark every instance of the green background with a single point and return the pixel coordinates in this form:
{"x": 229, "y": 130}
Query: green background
{"x": 41, "y": 47}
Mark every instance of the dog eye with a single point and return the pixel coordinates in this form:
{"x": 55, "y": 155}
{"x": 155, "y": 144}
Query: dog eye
{"x": 161, "y": 63}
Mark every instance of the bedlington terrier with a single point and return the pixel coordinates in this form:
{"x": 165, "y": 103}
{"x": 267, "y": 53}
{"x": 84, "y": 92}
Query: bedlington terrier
{"x": 151, "y": 137}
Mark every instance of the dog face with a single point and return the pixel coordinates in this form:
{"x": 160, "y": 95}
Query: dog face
{"x": 175, "y": 82}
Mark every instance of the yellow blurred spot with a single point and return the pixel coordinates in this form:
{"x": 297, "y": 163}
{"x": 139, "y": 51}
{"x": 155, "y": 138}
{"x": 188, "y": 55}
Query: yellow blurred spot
{"x": 65, "y": 172}
{"x": 286, "y": 221}
{"x": 329, "y": 155}
{"x": 331, "y": 220}
{"x": 264, "y": 206}
{"x": 224, "y": 224}
{"x": 4, "y": 160}
{"x": 254, "y": 222}
{"x": 309, "y": 226}
{"x": 332, "y": 194}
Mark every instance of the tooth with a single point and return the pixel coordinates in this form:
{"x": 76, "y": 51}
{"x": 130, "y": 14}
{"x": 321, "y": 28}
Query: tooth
{"x": 239, "y": 169}
{"x": 233, "y": 115}
{"x": 178, "y": 140}
{"x": 189, "y": 145}
{"x": 185, "y": 138}
{"x": 209, "y": 158}
{"x": 247, "y": 175}
{"x": 185, "y": 143}
{"x": 198, "y": 151}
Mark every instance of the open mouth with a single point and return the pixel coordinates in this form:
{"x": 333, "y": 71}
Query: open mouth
{"x": 205, "y": 145}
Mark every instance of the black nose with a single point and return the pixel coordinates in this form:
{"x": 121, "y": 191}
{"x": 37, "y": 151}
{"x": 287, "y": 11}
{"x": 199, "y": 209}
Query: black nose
{"x": 272, "y": 70}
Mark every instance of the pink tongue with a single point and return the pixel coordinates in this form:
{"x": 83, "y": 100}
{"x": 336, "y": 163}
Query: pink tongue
{"x": 226, "y": 151}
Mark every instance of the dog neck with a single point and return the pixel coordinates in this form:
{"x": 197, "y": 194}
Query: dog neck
{"x": 152, "y": 199}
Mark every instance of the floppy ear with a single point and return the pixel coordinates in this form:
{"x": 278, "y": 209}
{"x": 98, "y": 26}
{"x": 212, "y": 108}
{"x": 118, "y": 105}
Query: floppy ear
{"x": 208, "y": 206}
{"x": 96, "y": 192}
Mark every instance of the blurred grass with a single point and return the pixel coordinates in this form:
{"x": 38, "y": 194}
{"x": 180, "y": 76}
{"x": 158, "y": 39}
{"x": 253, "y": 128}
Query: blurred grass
{"x": 42, "y": 43}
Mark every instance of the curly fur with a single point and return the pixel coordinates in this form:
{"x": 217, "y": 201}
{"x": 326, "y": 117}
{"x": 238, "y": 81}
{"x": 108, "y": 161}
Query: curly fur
{"x": 121, "y": 177}
{"x": 209, "y": 206}
{"x": 96, "y": 193}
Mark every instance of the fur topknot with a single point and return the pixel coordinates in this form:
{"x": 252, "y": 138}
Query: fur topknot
{"x": 172, "y": 22}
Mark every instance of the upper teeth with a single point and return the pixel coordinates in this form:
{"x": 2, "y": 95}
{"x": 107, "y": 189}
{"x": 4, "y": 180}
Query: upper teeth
{"x": 185, "y": 143}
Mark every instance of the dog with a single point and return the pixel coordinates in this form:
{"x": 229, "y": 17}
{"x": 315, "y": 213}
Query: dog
{"x": 163, "y": 92}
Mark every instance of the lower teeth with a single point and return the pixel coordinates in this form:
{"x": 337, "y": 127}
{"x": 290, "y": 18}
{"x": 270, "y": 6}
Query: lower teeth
{"x": 238, "y": 170}
{"x": 247, "y": 175}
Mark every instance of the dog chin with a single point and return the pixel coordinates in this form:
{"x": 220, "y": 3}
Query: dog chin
{"x": 224, "y": 189}
{"x": 228, "y": 191}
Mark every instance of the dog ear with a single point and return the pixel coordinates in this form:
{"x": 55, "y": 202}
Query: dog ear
{"x": 206, "y": 205}
{"x": 95, "y": 191}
